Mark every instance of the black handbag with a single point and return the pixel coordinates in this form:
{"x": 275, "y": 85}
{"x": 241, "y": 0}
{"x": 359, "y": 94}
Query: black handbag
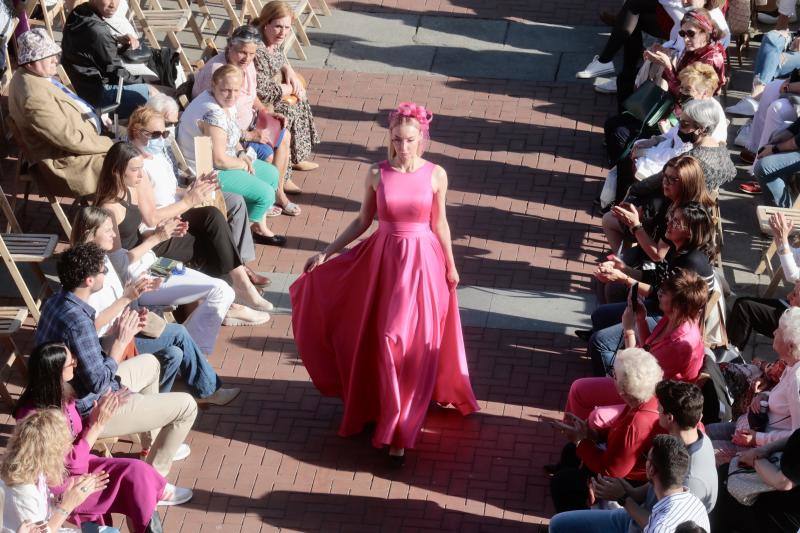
{"x": 649, "y": 104}
{"x": 143, "y": 54}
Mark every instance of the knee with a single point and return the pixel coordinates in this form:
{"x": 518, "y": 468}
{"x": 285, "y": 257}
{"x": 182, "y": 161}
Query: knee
{"x": 171, "y": 356}
{"x": 188, "y": 406}
{"x": 774, "y": 39}
{"x": 222, "y": 293}
{"x": 151, "y": 364}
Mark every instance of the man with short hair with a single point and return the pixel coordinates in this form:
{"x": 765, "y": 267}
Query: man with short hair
{"x": 680, "y": 407}
{"x": 163, "y": 419}
{"x": 59, "y": 129}
{"x": 241, "y": 51}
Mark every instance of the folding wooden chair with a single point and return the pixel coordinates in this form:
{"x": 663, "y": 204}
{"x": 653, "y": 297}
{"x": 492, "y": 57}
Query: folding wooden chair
{"x": 763, "y": 213}
{"x": 18, "y": 247}
{"x": 49, "y": 186}
{"x": 169, "y": 21}
{"x": 11, "y": 319}
{"x": 304, "y": 16}
{"x": 48, "y": 13}
{"x": 322, "y": 8}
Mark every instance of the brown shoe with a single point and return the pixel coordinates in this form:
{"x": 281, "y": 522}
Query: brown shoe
{"x": 305, "y": 165}
{"x": 257, "y": 279}
{"x": 608, "y": 18}
{"x": 747, "y": 156}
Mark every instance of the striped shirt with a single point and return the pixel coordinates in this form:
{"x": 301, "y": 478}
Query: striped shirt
{"x": 671, "y": 511}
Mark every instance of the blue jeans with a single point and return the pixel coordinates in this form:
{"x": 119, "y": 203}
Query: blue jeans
{"x": 133, "y": 96}
{"x": 178, "y": 352}
{"x": 591, "y": 521}
{"x": 768, "y": 62}
{"x": 607, "y": 336}
{"x": 264, "y": 151}
{"x": 773, "y": 173}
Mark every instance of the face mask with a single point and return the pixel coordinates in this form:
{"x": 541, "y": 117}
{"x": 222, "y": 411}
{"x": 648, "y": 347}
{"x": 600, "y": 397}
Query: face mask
{"x": 156, "y": 146}
{"x": 687, "y": 136}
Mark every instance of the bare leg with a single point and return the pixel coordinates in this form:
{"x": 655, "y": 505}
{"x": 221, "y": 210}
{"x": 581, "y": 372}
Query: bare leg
{"x": 281, "y": 162}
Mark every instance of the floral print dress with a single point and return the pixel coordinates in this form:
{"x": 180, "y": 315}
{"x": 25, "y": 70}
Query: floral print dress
{"x": 299, "y": 120}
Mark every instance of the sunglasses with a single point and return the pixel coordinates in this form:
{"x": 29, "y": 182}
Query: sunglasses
{"x": 156, "y": 134}
{"x": 687, "y": 33}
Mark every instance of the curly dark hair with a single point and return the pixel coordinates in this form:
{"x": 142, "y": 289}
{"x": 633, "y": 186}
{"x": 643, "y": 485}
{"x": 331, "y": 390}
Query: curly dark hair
{"x": 670, "y": 459}
{"x": 78, "y": 263}
{"x": 684, "y": 401}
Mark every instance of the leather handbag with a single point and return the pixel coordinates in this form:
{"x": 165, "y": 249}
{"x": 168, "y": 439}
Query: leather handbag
{"x": 143, "y": 54}
{"x": 649, "y": 104}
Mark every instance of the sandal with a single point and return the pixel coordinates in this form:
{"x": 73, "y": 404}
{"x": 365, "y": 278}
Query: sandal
{"x": 751, "y": 187}
{"x": 291, "y": 209}
{"x": 274, "y": 211}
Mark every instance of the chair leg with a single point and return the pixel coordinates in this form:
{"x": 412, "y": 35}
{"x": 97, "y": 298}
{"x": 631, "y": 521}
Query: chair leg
{"x": 776, "y": 280}
{"x": 14, "y": 360}
{"x": 766, "y": 259}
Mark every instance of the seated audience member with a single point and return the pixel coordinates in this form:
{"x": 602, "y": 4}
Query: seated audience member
{"x": 175, "y": 348}
{"x": 776, "y": 511}
{"x": 775, "y": 113}
{"x": 778, "y": 56}
{"x": 235, "y": 205}
{"x": 777, "y": 163}
{"x": 34, "y": 459}
{"x": 783, "y": 401}
{"x": 134, "y": 487}
{"x": 92, "y": 59}
{"x": 762, "y": 314}
{"x": 209, "y": 246}
{"x": 690, "y": 230}
{"x": 618, "y": 449}
{"x": 60, "y": 130}
{"x": 680, "y": 406}
{"x": 693, "y": 136}
{"x": 67, "y": 317}
{"x": 279, "y": 85}
{"x": 676, "y": 342}
{"x": 698, "y": 82}
{"x": 214, "y": 113}
{"x": 702, "y": 44}
{"x": 681, "y": 181}
{"x": 241, "y": 50}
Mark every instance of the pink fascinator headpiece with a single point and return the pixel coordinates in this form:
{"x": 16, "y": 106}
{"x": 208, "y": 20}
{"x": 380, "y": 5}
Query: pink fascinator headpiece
{"x": 412, "y": 110}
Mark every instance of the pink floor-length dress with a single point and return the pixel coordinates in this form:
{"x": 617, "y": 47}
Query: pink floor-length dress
{"x": 134, "y": 487}
{"x": 378, "y": 326}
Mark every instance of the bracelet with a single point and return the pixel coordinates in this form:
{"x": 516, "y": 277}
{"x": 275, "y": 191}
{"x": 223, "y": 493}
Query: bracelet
{"x": 636, "y": 228}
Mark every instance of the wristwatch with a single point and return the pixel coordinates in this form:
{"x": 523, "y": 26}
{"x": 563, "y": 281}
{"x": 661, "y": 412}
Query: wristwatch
{"x": 636, "y": 228}
{"x": 776, "y": 149}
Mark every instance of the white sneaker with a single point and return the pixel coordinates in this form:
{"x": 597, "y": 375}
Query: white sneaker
{"x": 182, "y": 452}
{"x": 606, "y": 87}
{"x": 746, "y": 107}
{"x": 743, "y": 137}
{"x": 178, "y": 496}
{"x": 772, "y": 19}
{"x": 595, "y": 68}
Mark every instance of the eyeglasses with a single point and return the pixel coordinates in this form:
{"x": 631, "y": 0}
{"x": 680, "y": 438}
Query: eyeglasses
{"x": 687, "y": 33}
{"x": 671, "y": 180}
{"x": 156, "y": 134}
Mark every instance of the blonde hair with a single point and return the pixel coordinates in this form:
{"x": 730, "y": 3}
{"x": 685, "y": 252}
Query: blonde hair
{"x": 271, "y": 11}
{"x": 699, "y": 76}
{"x": 226, "y": 70}
{"x": 38, "y": 446}
{"x": 141, "y": 116}
{"x": 637, "y": 373}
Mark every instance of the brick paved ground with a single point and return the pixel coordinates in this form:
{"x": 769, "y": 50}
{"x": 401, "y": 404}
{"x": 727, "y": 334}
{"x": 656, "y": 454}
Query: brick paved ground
{"x": 523, "y": 163}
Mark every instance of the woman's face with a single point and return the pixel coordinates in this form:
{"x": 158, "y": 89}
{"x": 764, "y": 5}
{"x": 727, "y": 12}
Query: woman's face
{"x": 694, "y": 37}
{"x": 276, "y": 30}
{"x": 68, "y": 372}
{"x": 155, "y": 125}
{"x": 406, "y": 139}
{"x": 226, "y": 91}
{"x": 665, "y": 301}
{"x": 693, "y": 4}
{"x": 781, "y": 347}
{"x": 134, "y": 172}
{"x": 677, "y": 229}
{"x": 104, "y": 236}
{"x": 671, "y": 183}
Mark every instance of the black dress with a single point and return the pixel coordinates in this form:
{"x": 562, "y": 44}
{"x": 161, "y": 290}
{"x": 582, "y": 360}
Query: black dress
{"x": 207, "y": 246}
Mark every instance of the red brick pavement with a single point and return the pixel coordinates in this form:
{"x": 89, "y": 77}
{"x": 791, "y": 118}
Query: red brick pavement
{"x": 523, "y": 164}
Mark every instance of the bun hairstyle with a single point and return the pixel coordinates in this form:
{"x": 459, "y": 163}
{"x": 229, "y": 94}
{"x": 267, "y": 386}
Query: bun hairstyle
{"x": 413, "y": 114}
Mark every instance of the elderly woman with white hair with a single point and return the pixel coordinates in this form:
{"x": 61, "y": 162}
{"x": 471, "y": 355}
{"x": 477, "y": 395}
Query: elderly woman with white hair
{"x": 618, "y": 449}
{"x": 782, "y": 402}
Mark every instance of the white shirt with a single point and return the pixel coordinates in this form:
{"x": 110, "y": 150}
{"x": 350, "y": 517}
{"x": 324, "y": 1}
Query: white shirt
{"x": 26, "y": 502}
{"x": 784, "y": 407}
{"x": 672, "y": 511}
{"x": 111, "y": 292}
{"x": 162, "y": 178}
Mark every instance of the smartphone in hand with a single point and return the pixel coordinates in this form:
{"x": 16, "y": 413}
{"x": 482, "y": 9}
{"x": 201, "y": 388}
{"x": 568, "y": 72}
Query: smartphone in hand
{"x": 633, "y": 297}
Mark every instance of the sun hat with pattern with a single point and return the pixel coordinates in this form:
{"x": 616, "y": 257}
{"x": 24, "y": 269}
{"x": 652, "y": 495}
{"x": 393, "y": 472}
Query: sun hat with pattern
{"x": 34, "y": 45}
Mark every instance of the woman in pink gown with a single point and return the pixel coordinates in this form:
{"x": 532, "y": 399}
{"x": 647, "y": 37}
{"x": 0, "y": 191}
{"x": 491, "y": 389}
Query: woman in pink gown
{"x": 378, "y": 326}
{"x": 134, "y": 487}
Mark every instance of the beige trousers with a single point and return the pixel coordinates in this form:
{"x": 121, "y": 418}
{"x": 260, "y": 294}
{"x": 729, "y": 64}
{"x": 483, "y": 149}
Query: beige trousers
{"x": 162, "y": 419}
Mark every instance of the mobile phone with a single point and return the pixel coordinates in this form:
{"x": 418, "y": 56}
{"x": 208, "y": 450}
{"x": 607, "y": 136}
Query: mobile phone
{"x": 634, "y": 298}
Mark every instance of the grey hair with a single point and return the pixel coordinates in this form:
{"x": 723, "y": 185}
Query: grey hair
{"x": 246, "y": 34}
{"x": 637, "y": 373}
{"x": 789, "y": 326}
{"x": 163, "y": 103}
{"x": 704, "y": 113}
